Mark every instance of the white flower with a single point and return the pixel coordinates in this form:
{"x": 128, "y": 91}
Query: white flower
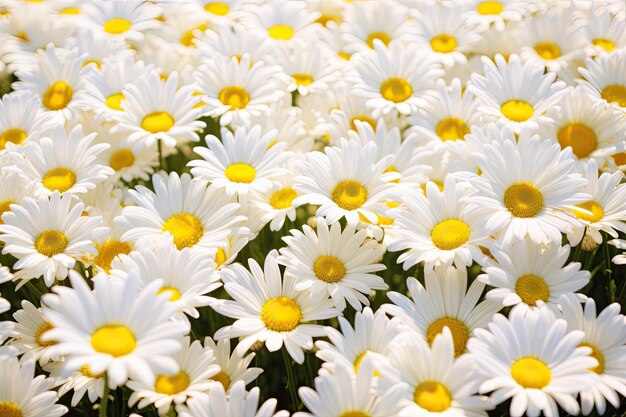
{"x": 22, "y": 119}
{"x": 605, "y": 80}
{"x": 121, "y": 19}
{"x": 30, "y": 326}
{"x": 233, "y": 366}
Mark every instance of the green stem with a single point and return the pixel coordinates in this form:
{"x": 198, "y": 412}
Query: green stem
{"x": 105, "y": 398}
{"x": 290, "y": 381}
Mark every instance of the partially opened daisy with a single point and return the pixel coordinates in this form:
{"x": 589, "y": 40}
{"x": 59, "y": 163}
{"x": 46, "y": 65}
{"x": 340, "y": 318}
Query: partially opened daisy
{"x": 435, "y": 382}
{"x": 29, "y": 328}
{"x": 22, "y": 119}
{"x": 24, "y": 394}
{"x": 445, "y": 301}
{"x": 233, "y": 366}
{"x": 241, "y": 162}
{"x": 194, "y": 213}
{"x": 81, "y": 382}
{"x": 372, "y": 335}
{"x": 532, "y": 358}
{"x": 330, "y": 262}
{"x": 48, "y": 235}
{"x": 346, "y": 392}
{"x": 440, "y": 228}
{"x": 115, "y": 328}
{"x": 121, "y": 19}
{"x": 393, "y": 78}
{"x": 194, "y": 378}
{"x": 605, "y": 80}
{"x": 155, "y": 109}
{"x": 515, "y": 93}
{"x": 337, "y": 182}
{"x": 528, "y": 189}
{"x": 269, "y": 309}
{"x": 605, "y": 334}
{"x": 63, "y": 162}
{"x": 525, "y": 273}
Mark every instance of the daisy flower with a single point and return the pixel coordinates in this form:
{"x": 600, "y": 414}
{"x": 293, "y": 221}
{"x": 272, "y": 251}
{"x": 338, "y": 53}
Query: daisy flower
{"x": 29, "y": 328}
{"x": 312, "y": 70}
{"x": 498, "y": 14}
{"x": 184, "y": 274}
{"x": 605, "y": 334}
{"x": 232, "y": 42}
{"x": 194, "y": 213}
{"x": 115, "y": 328}
{"x": 605, "y": 80}
{"x": 13, "y": 188}
{"x": 81, "y": 381}
{"x": 23, "y": 394}
{"x": 435, "y": 382}
{"x": 193, "y": 379}
{"x": 237, "y": 403}
{"x": 269, "y": 309}
{"x": 121, "y": 19}
{"x": 337, "y": 182}
{"x": 241, "y": 162}
{"x": 444, "y": 302}
{"x": 155, "y": 109}
{"x": 593, "y": 131}
{"x": 233, "y": 367}
{"x": 606, "y": 31}
{"x": 524, "y": 273}
{"x": 95, "y": 47}
{"x": 440, "y": 228}
{"x": 329, "y": 262}
{"x": 235, "y": 89}
{"x": 527, "y": 189}
{"x": 63, "y": 162}
{"x": 371, "y": 336}
{"x": 606, "y": 208}
{"x": 532, "y": 358}
{"x": 393, "y": 78}
{"x": 223, "y": 11}
{"x": 48, "y": 235}
{"x": 346, "y": 392}
{"x": 21, "y": 118}
{"x": 276, "y": 205}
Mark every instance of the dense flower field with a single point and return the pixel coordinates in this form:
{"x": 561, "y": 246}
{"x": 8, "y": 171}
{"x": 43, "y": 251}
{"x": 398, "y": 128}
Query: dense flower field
{"x": 323, "y": 208}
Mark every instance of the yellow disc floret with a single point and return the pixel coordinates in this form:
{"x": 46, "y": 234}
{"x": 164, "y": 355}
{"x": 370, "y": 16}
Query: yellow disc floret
{"x": 530, "y": 372}
{"x": 523, "y": 200}
{"x": 517, "y": 110}
{"x": 113, "y": 339}
{"x": 531, "y": 289}
{"x": 396, "y": 89}
{"x": 186, "y": 229}
{"x": 432, "y": 396}
{"x": 240, "y": 172}
{"x": 450, "y": 234}
{"x": 349, "y": 194}
{"x": 51, "y": 242}
{"x": 158, "y": 121}
{"x": 329, "y": 269}
{"x": 57, "y": 96}
{"x": 281, "y": 314}
{"x": 234, "y": 96}
{"x": 580, "y": 137}
{"x": 172, "y": 384}
{"x": 460, "y": 332}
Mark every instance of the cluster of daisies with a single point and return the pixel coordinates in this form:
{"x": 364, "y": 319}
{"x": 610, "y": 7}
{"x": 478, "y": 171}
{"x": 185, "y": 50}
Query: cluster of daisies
{"x": 419, "y": 203}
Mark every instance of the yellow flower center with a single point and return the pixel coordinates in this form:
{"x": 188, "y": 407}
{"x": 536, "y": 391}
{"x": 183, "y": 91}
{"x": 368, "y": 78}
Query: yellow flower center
{"x": 116, "y": 26}
{"x": 580, "y": 137}
{"x": 303, "y": 79}
{"x": 460, "y": 333}
{"x": 329, "y": 269}
{"x": 396, "y": 89}
{"x": 16, "y": 136}
{"x": 97, "y": 63}
{"x": 5, "y": 206}
{"x": 517, "y": 110}
{"x": 349, "y": 194}
{"x": 186, "y": 229}
{"x": 452, "y": 129}
{"x": 235, "y": 97}
{"x": 61, "y": 179}
{"x": 158, "y": 121}
{"x": 530, "y": 372}
{"x": 280, "y": 32}
{"x": 240, "y": 172}
{"x": 615, "y": 94}
{"x": 531, "y": 289}
{"x": 86, "y": 371}
{"x": 9, "y": 409}
{"x": 220, "y": 257}
{"x": 344, "y": 55}
{"x": 354, "y": 414}
{"x": 597, "y": 212}
{"x": 381, "y": 36}
{"x": 597, "y": 355}
{"x": 217, "y": 8}
{"x": 58, "y": 95}
{"x": 70, "y": 10}
{"x": 548, "y": 50}
{"x": 489, "y": 7}
{"x": 122, "y": 158}
{"x": 114, "y": 101}
{"x": 449, "y": 234}
{"x": 40, "y": 331}
{"x": 443, "y": 43}
{"x": 113, "y": 339}
{"x": 172, "y": 384}
{"x": 606, "y": 44}
{"x": 223, "y": 378}
{"x": 283, "y": 198}
{"x": 364, "y": 119}
{"x": 51, "y": 242}
{"x": 281, "y": 314}
{"x": 109, "y": 250}
{"x": 619, "y": 158}
{"x": 523, "y": 200}
{"x": 432, "y": 396}
{"x": 188, "y": 37}
{"x": 174, "y": 293}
